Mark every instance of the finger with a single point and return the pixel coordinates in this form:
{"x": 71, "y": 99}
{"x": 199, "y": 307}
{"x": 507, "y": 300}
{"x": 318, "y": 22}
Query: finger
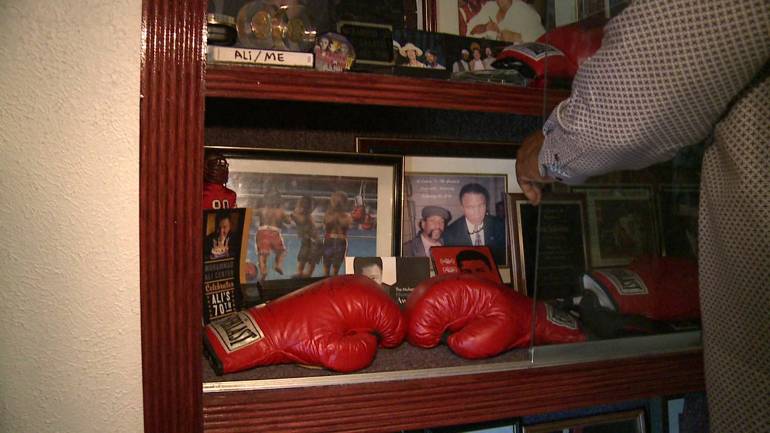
{"x": 532, "y": 191}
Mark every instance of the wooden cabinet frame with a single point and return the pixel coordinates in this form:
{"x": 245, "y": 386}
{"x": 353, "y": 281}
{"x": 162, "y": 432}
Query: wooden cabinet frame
{"x": 173, "y": 80}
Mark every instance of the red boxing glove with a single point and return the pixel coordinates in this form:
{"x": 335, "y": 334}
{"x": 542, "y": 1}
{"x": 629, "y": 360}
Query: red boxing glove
{"x": 577, "y": 41}
{"x": 333, "y": 323}
{"x": 557, "y": 55}
{"x": 483, "y": 317}
{"x": 556, "y": 326}
{"x": 532, "y": 59}
{"x": 659, "y": 288}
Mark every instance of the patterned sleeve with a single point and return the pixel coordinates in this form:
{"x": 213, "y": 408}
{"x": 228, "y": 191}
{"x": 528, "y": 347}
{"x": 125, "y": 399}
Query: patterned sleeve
{"x": 664, "y": 75}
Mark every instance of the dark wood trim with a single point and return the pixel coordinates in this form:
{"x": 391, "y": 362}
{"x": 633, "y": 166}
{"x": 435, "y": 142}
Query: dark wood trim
{"x": 170, "y": 188}
{"x": 414, "y": 404}
{"x": 410, "y": 14}
{"x": 376, "y": 89}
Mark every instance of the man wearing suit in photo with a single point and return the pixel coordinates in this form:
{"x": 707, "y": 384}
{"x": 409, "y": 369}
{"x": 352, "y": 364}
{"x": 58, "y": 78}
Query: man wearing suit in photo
{"x": 476, "y": 227}
{"x": 432, "y": 225}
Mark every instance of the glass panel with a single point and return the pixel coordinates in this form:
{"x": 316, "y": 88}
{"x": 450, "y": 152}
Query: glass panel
{"x": 614, "y": 256}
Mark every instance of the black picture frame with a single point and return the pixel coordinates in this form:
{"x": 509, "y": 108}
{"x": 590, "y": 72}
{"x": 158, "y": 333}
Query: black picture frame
{"x": 295, "y": 173}
{"x": 622, "y": 223}
{"x": 678, "y": 207}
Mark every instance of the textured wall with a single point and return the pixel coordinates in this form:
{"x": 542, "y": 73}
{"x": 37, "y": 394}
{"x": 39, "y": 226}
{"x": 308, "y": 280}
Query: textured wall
{"x": 70, "y": 357}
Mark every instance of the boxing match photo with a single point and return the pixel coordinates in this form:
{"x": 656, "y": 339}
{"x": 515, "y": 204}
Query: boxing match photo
{"x": 310, "y": 211}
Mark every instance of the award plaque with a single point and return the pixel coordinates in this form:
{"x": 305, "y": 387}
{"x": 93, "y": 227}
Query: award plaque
{"x": 550, "y": 251}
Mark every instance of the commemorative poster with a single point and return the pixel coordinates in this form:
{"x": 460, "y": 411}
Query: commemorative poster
{"x": 222, "y": 268}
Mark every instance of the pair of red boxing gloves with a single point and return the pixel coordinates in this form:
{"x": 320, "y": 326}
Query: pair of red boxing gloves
{"x": 338, "y": 323}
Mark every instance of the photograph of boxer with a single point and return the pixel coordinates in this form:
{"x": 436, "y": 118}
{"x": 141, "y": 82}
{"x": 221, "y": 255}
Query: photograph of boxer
{"x": 466, "y": 203}
{"x": 304, "y": 225}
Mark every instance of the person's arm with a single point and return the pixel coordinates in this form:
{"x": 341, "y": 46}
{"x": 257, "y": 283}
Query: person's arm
{"x": 666, "y": 72}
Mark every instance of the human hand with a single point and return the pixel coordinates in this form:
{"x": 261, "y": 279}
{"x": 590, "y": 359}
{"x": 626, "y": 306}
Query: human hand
{"x": 509, "y": 36}
{"x": 528, "y": 168}
{"x": 478, "y": 29}
{"x": 491, "y": 26}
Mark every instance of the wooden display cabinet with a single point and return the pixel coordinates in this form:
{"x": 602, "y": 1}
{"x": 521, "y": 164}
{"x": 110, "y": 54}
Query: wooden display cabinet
{"x": 175, "y": 85}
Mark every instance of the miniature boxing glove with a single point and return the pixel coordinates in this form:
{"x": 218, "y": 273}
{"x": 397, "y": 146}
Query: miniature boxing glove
{"x": 334, "y": 323}
{"x": 483, "y": 318}
{"x": 216, "y": 195}
{"x": 578, "y": 41}
{"x": 555, "y": 325}
{"x": 658, "y": 288}
{"x": 556, "y": 55}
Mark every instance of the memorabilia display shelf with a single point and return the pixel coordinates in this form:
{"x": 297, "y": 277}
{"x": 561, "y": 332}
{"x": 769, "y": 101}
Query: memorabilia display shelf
{"x": 174, "y": 85}
{"x": 561, "y": 377}
{"x": 375, "y": 89}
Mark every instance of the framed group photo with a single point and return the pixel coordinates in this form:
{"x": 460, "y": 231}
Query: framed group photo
{"x": 311, "y": 209}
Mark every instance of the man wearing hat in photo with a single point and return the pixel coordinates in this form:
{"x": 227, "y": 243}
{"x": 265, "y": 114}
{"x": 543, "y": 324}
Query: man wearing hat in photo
{"x": 461, "y": 65}
{"x": 412, "y": 52}
{"x": 431, "y": 60}
{"x": 432, "y": 225}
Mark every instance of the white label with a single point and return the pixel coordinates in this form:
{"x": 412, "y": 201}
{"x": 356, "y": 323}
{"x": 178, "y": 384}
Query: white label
{"x": 260, "y": 57}
{"x": 560, "y": 318}
{"x": 626, "y": 282}
{"x": 537, "y": 51}
{"x": 236, "y": 331}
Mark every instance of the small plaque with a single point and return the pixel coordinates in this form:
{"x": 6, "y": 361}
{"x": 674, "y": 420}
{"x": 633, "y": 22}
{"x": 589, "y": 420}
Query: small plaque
{"x": 549, "y": 245}
{"x": 373, "y": 42}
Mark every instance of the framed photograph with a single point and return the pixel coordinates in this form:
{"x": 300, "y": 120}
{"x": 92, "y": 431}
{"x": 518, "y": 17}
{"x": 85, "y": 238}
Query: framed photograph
{"x": 678, "y": 213}
{"x": 621, "y": 224}
{"x": 510, "y": 22}
{"x": 549, "y": 244}
{"x": 311, "y": 209}
{"x": 457, "y": 202}
{"x": 619, "y": 422}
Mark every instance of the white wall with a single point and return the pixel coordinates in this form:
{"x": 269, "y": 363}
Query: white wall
{"x": 69, "y": 250}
